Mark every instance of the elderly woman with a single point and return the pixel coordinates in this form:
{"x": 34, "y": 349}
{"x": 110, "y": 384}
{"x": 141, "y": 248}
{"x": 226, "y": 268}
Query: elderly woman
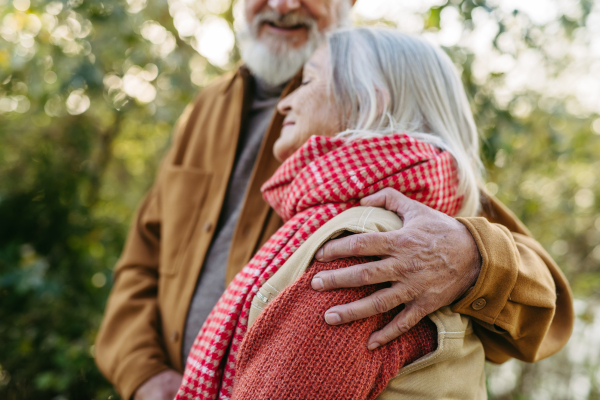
{"x": 376, "y": 110}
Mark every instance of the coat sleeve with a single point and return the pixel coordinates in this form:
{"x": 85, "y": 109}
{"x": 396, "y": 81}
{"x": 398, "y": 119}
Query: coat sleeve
{"x": 129, "y": 347}
{"x": 521, "y": 304}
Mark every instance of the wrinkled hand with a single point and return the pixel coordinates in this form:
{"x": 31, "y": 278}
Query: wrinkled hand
{"x": 162, "y": 386}
{"x": 430, "y": 263}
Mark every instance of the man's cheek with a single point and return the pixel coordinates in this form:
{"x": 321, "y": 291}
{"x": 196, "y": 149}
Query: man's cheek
{"x": 321, "y": 10}
{"x": 253, "y": 7}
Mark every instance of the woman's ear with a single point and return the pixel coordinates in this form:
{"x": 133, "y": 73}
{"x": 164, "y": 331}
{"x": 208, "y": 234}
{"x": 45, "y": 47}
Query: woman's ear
{"x": 383, "y": 100}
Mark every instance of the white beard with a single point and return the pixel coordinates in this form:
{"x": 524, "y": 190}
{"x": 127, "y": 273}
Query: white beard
{"x": 279, "y": 63}
{"x": 274, "y": 68}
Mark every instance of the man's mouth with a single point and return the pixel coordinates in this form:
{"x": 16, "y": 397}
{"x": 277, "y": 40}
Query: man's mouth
{"x": 284, "y": 27}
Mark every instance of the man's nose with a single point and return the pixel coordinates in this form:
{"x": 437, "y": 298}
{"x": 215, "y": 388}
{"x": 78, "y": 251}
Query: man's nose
{"x": 284, "y": 6}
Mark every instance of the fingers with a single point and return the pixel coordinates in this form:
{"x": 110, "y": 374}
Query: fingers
{"x": 401, "y": 324}
{"x": 356, "y": 275}
{"x": 163, "y": 385}
{"x": 393, "y": 200}
{"x": 379, "y": 302}
{"x": 364, "y": 244}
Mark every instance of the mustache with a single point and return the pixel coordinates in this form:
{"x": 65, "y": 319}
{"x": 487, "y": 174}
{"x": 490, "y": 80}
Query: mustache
{"x": 287, "y": 20}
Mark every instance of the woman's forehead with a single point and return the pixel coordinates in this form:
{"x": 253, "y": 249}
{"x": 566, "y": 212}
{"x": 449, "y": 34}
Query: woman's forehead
{"x": 319, "y": 59}
{"x": 310, "y": 65}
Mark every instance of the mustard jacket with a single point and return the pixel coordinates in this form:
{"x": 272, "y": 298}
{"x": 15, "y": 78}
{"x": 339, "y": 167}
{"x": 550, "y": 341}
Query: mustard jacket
{"x": 527, "y": 304}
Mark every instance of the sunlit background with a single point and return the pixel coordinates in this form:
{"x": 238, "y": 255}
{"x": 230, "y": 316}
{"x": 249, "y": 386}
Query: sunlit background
{"x": 90, "y": 90}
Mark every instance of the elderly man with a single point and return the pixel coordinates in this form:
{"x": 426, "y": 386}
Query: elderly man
{"x": 204, "y": 218}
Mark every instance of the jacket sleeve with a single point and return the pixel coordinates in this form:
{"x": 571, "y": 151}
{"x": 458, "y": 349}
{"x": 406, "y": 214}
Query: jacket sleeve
{"x": 129, "y": 347}
{"x": 521, "y": 304}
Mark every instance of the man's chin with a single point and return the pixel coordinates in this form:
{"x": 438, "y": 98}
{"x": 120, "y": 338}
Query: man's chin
{"x": 282, "y": 46}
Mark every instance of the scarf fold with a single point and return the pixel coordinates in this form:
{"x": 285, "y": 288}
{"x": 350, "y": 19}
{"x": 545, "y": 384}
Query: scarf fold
{"x": 323, "y": 178}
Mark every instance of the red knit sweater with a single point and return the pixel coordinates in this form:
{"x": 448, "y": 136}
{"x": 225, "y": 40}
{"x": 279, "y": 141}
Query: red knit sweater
{"x": 291, "y": 353}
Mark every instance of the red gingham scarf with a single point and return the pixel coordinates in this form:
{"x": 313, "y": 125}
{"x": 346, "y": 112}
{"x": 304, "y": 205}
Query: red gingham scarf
{"x": 326, "y": 176}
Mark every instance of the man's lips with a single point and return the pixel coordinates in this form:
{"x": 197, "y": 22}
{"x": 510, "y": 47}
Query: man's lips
{"x": 288, "y": 123}
{"x": 284, "y": 29}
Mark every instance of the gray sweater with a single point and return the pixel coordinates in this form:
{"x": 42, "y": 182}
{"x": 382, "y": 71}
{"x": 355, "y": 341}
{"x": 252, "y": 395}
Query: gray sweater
{"x": 211, "y": 282}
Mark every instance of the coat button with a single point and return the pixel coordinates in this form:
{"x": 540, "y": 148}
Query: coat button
{"x": 174, "y": 336}
{"x": 247, "y": 230}
{"x": 478, "y": 304}
{"x": 208, "y": 226}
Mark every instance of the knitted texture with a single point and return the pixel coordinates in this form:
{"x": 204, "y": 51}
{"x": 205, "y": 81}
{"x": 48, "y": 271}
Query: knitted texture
{"x": 291, "y": 353}
{"x": 323, "y": 178}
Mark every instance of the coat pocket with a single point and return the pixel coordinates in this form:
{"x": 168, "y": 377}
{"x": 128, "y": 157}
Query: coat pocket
{"x": 183, "y": 196}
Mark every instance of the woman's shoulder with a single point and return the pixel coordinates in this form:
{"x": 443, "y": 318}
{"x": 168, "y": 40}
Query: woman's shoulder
{"x": 362, "y": 220}
{"x": 352, "y": 221}
{"x": 293, "y": 304}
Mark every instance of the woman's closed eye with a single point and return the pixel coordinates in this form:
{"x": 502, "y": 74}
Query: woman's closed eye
{"x": 305, "y": 82}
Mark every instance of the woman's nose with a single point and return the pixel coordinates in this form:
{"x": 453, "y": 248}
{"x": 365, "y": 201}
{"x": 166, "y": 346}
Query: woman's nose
{"x": 284, "y": 106}
{"x": 284, "y": 6}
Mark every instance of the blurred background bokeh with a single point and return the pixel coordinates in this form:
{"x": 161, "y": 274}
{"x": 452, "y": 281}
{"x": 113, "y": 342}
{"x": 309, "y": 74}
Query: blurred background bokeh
{"x": 89, "y": 93}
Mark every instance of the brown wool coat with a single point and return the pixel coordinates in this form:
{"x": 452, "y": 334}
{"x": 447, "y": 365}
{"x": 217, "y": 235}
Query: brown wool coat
{"x": 521, "y": 303}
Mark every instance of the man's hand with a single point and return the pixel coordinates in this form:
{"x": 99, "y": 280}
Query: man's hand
{"x": 163, "y": 386}
{"x": 430, "y": 263}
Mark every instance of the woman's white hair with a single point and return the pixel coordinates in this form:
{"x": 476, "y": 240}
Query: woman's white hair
{"x": 386, "y": 82}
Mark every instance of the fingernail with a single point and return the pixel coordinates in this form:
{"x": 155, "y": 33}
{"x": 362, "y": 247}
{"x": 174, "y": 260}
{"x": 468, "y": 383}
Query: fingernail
{"x": 319, "y": 255}
{"x": 317, "y": 284}
{"x": 373, "y": 346}
{"x": 332, "y": 318}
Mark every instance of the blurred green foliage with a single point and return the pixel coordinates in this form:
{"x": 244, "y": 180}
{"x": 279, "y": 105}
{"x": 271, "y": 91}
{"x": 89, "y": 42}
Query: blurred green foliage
{"x": 89, "y": 92}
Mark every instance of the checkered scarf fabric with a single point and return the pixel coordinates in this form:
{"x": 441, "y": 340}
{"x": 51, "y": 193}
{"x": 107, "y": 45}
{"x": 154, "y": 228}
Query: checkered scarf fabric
{"x": 323, "y": 178}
